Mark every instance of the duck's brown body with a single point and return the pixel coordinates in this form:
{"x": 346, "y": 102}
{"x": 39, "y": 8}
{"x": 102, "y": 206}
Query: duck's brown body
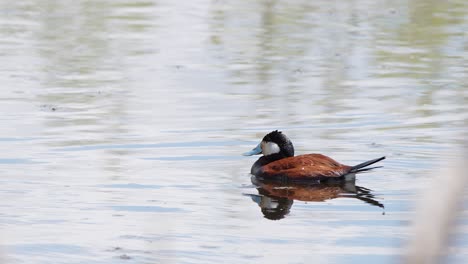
{"x": 309, "y": 165}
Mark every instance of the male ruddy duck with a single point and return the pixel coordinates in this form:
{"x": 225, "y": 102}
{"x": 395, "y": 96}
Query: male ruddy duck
{"x": 279, "y": 163}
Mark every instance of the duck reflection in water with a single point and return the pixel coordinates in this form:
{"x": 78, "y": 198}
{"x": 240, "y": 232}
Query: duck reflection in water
{"x": 276, "y": 198}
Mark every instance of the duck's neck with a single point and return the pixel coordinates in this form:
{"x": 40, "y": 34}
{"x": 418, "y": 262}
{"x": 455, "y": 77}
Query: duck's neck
{"x": 262, "y": 161}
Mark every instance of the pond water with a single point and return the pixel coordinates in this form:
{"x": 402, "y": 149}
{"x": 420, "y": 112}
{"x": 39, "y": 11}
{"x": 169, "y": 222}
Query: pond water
{"x": 123, "y": 124}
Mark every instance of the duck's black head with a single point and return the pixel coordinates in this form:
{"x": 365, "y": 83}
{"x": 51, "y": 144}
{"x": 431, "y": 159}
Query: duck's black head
{"x": 273, "y": 143}
{"x": 277, "y": 142}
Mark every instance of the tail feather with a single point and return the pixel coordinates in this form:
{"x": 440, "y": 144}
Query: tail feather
{"x": 361, "y": 167}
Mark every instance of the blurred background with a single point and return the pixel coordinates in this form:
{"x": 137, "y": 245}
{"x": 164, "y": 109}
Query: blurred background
{"x": 122, "y": 124}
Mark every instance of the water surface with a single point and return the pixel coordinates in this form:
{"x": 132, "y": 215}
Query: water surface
{"x": 123, "y": 123}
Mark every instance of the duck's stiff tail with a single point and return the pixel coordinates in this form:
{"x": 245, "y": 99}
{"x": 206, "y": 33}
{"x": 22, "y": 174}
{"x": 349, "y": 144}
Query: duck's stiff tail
{"x": 362, "y": 167}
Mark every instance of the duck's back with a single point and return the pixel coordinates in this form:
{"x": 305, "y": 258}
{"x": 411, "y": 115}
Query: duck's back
{"x": 305, "y": 166}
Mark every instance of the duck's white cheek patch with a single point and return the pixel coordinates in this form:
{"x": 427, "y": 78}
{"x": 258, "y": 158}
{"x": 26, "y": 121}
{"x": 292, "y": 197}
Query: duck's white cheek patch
{"x": 270, "y": 148}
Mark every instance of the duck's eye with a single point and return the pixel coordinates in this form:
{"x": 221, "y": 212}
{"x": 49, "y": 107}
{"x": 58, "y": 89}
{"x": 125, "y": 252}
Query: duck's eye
{"x": 269, "y": 148}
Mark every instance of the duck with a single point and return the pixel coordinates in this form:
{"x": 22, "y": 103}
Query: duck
{"x": 279, "y": 163}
